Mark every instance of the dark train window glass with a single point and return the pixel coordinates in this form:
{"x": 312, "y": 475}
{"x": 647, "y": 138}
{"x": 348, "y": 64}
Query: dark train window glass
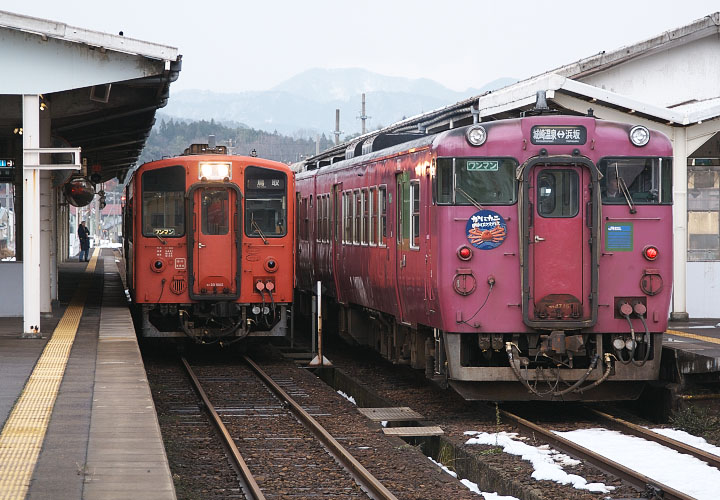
{"x": 382, "y": 211}
{"x": 265, "y": 202}
{"x": 215, "y": 211}
{"x": 372, "y": 204}
{"x": 558, "y": 193}
{"x": 486, "y": 181}
{"x": 358, "y": 215}
{"x": 648, "y": 180}
{"x": 318, "y": 219}
{"x": 415, "y": 213}
{"x": 163, "y": 202}
{"x": 365, "y": 217}
{"x": 444, "y": 181}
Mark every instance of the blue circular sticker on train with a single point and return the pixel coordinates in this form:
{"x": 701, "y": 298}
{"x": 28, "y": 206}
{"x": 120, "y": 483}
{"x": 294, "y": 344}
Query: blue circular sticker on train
{"x": 486, "y": 230}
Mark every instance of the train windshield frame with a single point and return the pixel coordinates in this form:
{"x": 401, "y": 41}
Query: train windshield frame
{"x": 265, "y": 203}
{"x": 648, "y": 180}
{"x": 471, "y": 180}
{"x": 163, "y": 202}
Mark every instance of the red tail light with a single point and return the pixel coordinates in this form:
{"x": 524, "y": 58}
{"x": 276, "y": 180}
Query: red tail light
{"x": 464, "y": 253}
{"x": 650, "y": 252}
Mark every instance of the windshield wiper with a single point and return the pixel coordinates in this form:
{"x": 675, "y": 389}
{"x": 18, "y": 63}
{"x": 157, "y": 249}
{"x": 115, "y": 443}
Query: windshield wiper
{"x": 622, "y": 186}
{"x": 256, "y": 229}
{"x": 158, "y": 237}
{"x": 477, "y": 205}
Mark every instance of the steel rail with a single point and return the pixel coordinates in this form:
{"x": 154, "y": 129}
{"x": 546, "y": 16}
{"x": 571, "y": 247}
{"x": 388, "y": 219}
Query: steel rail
{"x": 641, "y": 481}
{"x": 374, "y": 488}
{"x": 252, "y": 487}
{"x": 641, "y": 432}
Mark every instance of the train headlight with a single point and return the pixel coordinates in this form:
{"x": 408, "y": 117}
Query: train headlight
{"x": 476, "y": 135}
{"x": 214, "y": 171}
{"x": 639, "y": 135}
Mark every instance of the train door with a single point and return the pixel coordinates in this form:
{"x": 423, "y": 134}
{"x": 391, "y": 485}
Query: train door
{"x": 560, "y": 276}
{"x": 214, "y": 236}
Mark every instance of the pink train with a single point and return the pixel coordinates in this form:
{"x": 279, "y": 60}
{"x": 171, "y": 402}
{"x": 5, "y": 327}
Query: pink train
{"x": 517, "y": 259}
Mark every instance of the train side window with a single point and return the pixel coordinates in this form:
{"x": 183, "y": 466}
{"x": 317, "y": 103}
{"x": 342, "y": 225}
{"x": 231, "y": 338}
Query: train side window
{"x": 373, "y": 214}
{"x": 318, "y": 219}
{"x": 265, "y": 202}
{"x": 357, "y": 228}
{"x": 382, "y": 215}
{"x": 444, "y": 181}
{"x": 163, "y": 202}
{"x": 129, "y": 218}
{"x": 365, "y": 217}
{"x": 415, "y": 214}
{"x": 347, "y": 217}
{"x": 557, "y": 193}
{"x": 326, "y": 217}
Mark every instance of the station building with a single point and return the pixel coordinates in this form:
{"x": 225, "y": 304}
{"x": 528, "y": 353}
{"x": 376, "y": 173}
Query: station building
{"x": 76, "y": 107}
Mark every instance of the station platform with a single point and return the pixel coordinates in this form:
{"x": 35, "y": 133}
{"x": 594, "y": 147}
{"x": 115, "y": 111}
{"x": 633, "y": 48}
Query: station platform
{"x": 691, "y": 349}
{"x": 77, "y": 416}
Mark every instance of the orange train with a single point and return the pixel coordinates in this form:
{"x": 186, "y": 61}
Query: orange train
{"x": 209, "y": 245}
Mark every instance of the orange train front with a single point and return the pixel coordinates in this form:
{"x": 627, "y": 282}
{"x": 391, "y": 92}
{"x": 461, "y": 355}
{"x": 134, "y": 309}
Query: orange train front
{"x": 209, "y": 245}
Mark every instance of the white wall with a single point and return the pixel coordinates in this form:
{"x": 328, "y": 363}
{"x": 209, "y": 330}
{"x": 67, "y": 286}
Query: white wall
{"x": 11, "y": 297}
{"x": 703, "y": 291}
{"x": 667, "y": 77}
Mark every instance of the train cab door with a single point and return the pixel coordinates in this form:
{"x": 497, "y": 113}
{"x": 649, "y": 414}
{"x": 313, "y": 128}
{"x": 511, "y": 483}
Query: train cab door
{"x": 215, "y": 241}
{"x": 337, "y": 237}
{"x": 402, "y": 237}
{"x": 560, "y": 275}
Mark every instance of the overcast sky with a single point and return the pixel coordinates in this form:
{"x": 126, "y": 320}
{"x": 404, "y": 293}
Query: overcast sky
{"x": 235, "y": 46}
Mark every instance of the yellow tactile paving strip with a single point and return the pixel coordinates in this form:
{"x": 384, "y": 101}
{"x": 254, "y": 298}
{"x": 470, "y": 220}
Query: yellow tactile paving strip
{"x": 24, "y": 431}
{"x": 693, "y": 336}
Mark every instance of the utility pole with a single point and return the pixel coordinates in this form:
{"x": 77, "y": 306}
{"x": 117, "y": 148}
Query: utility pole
{"x": 363, "y": 117}
{"x": 337, "y": 127}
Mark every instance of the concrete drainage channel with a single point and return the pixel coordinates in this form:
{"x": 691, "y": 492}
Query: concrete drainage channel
{"x": 437, "y": 447}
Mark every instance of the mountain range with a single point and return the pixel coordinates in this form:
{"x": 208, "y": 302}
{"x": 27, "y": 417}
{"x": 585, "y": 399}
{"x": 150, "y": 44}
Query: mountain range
{"x": 304, "y": 105}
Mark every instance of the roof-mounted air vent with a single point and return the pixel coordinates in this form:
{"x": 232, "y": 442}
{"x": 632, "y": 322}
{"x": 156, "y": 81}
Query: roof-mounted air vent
{"x": 382, "y": 141}
{"x": 353, "y": 150}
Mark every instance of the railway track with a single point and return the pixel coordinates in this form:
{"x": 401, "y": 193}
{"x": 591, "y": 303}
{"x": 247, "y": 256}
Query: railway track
{"x": 653, "y": 489}
{"x": 280, "y": 459}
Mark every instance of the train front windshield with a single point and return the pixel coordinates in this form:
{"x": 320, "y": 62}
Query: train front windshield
{"x": 163, "y": 202}
{"x": 465, "y": 181}
{"x": 265, "y": 202}
{"x": 643, "y": 180}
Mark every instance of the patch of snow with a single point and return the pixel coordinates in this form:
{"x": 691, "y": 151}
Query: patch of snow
{"x": 473, "y": 486}
{"x": 349, "y": 398}
{"x": 546, "y": 461}
{"x": 679, "y": 471}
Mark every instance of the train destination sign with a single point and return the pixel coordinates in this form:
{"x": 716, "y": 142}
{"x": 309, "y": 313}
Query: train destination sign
{"x": 266, "y": 183}
{"x": 575, "y": 134}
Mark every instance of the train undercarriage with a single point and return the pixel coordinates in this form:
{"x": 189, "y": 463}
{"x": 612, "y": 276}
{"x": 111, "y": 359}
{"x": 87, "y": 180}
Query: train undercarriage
{"x": 546, "y": 365}
{"x": 207, "y": 322}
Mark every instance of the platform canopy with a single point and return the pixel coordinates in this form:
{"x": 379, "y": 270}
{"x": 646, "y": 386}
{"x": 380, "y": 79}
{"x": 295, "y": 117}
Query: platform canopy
{"x": 99, "y": 91}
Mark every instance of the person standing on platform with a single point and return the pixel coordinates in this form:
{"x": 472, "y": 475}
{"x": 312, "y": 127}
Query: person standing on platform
{"x": 84, "y": 235}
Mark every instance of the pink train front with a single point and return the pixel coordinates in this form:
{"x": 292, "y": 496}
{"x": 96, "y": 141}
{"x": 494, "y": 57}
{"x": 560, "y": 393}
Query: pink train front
{"x": 518, "y": 259}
